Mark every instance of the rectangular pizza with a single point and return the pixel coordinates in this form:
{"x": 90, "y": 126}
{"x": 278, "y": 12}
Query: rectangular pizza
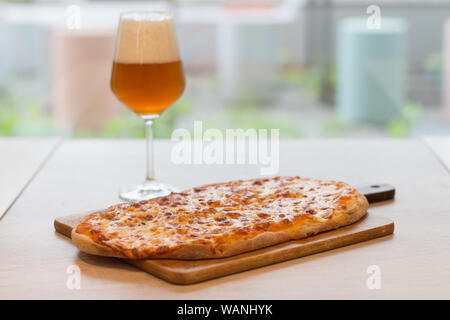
{"x": 220, "y": 220}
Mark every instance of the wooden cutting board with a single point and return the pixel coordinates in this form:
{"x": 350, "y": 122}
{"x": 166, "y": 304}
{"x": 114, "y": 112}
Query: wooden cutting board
{"x": 188, "y": 271}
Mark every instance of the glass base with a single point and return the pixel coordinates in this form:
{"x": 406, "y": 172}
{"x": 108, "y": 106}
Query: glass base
{"x": 147, "y": 190}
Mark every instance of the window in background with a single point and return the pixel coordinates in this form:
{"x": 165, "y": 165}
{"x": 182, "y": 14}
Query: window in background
{"x": 260, "y": 64}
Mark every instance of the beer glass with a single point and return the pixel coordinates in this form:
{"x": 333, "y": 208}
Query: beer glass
{"x": 147, "y": 76}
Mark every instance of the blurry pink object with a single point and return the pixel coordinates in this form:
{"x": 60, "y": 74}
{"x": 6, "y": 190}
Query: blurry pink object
{"x": 81, "y": 71}
{"x": 247, "y": 6}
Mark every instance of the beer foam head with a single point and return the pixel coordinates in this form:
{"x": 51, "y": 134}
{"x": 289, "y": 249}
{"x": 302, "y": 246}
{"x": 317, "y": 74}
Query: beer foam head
{"x": 146, "y": 37}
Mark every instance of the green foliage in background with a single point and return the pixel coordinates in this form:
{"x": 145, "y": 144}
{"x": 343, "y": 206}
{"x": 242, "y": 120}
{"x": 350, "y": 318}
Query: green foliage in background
{"x": 318, "y": 79}
{"x": 248, "y": 114}
{"x": 401, "y": 126}
{"x": 433, "y": 62}
{"x": 167, "y": 123}
{"x": 22, "y": 116}
{"x": 284, "y": 56}
{"x": 130, "y": 125}
{"x": 335, "y": 127}
{"x": 317, "y": 82}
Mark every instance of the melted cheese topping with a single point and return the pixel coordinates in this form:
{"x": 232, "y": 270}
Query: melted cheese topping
{"x": 216, "y": 214}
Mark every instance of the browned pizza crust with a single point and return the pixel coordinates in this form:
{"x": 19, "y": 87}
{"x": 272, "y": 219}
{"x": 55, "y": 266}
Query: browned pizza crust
{"x": 354, "y": 209}
{"x": 86, "y": 244}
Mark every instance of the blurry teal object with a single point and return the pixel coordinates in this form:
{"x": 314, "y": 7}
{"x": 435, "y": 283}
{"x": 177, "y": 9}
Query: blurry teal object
{"x": 370, "y": 70}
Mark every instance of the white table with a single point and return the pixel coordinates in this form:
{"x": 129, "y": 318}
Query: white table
{"x": 20, "y": 159}
{"x": 86, "y": 174}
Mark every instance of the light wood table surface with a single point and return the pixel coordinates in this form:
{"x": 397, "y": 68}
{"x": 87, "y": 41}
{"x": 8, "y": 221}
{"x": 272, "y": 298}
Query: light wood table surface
{"x": 440, "y": 145}
{"x": 86, "y": 174}
{"x": 20, "y": 159}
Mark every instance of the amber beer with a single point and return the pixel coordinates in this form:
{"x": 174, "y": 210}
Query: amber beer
{"x": 147, "y": 74}
{"x": 147, "y": 88}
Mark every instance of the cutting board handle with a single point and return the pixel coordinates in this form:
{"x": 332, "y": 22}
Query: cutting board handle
{"x": 378, "y": 192}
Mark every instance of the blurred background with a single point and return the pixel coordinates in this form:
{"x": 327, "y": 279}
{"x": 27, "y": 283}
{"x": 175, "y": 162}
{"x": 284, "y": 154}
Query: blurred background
{"x": 310, "y": 68}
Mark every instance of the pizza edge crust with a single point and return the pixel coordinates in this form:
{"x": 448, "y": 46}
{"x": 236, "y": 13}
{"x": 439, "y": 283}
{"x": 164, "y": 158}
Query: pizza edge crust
{"x": 87, "y": 245}
{"x": 357, "y": 209}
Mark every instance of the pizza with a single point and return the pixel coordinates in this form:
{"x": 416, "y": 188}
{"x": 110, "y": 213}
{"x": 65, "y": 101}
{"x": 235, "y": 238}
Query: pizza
{"x": 220, "y": 220}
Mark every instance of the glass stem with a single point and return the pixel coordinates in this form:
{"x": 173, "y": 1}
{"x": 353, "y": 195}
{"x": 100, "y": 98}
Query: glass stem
{"x": 150, "y": 159}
